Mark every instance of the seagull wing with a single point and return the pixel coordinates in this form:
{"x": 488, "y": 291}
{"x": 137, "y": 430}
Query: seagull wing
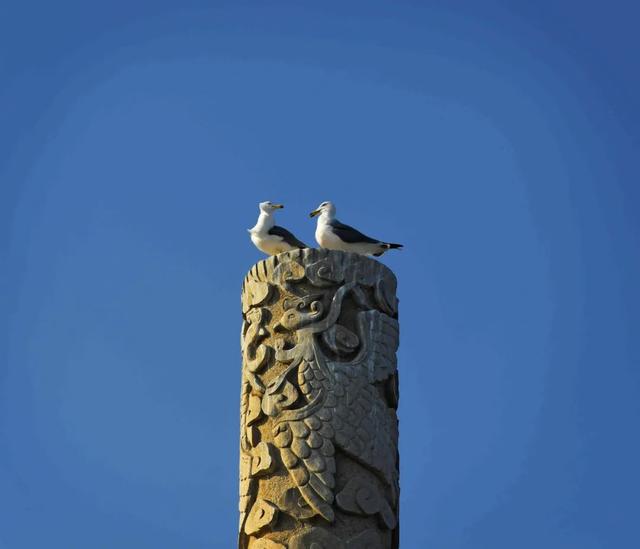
{"x": 349, "y": 234}
{"x": 287, "y": 236}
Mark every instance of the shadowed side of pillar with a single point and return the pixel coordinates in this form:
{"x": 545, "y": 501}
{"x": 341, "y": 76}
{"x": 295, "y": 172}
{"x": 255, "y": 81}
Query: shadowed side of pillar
{"x": 319, "y": 431}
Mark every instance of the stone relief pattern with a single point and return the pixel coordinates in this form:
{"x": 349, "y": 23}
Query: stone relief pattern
{"x": 319, "y": 392}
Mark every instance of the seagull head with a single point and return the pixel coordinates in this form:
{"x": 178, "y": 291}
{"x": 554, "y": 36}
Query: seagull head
{"x": 326, "y": 208}
{"x": 269, "y": 207}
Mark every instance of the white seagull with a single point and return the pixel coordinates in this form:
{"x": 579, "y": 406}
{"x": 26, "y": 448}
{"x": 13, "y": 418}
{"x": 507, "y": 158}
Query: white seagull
{"x": 333, "y": 235}
{"x": 268, "y": 237}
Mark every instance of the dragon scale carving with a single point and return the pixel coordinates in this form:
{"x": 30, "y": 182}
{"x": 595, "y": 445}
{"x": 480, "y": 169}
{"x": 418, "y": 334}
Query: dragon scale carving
{"x": 319, "y": 432}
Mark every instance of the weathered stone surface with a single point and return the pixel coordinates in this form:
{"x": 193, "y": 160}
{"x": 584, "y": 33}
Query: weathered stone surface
{"x": 360, "y": 498}
{"x": 263, "y": 461}
{"x": 265, "y": 543}
{"x": 262, "y": 514}
{"x": 319, "y": 432}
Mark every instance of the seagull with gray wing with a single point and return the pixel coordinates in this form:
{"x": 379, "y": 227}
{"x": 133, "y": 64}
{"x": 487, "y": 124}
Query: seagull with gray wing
{"x": 268, "y": 237}
{"x": 333, "y": 235}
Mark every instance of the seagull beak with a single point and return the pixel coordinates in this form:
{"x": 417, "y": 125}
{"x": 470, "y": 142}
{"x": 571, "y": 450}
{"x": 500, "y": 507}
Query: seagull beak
{"x": 278, "y": 206}
{"x": 314, "y": 213}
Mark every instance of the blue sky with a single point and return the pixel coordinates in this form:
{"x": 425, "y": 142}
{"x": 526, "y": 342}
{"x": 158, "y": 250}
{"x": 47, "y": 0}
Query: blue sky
{"x": 497, "y": 140}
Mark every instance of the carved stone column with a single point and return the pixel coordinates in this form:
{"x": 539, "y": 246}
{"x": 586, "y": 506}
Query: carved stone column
{"x": 319, "y": 432}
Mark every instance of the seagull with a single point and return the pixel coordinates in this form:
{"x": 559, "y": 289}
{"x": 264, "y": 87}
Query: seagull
{"x": 333, "y": 235}
{"x": 268, "y": 237}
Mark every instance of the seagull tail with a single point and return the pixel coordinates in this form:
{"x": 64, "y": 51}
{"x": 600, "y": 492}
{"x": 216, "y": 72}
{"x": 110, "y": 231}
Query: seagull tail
{"x": 391, "y": 246}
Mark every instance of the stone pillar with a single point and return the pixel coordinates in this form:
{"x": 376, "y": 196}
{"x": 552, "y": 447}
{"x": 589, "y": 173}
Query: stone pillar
{"x": 319, "y": 432}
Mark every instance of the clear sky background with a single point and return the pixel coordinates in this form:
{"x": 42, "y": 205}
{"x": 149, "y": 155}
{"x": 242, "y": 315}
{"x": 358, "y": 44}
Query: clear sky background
{"x": 497, "y": 140}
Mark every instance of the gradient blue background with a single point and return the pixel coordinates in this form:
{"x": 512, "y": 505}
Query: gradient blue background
{"x": 497, "y": 140}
